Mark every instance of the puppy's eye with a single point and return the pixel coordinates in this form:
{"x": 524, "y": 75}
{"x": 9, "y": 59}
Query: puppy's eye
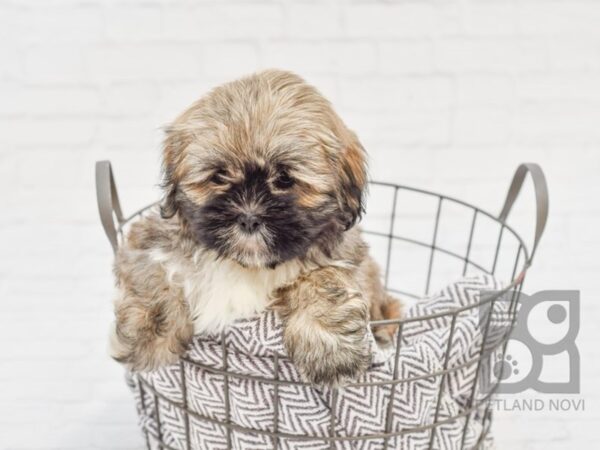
{"x": 284, "y": 180}
{"x": 219, "y": 177}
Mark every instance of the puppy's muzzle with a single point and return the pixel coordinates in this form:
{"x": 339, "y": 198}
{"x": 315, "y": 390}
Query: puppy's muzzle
{"x": 249, "y": 222}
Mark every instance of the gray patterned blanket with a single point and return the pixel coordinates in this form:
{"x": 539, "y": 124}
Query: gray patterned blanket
{"x": 303, "y": 414}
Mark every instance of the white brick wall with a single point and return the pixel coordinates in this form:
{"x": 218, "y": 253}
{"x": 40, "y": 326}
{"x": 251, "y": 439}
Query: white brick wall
{"x": 448, "y": 95}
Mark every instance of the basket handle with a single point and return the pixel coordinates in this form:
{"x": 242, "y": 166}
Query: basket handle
{"x": 109, "y": 206}
{"x": 541, "y": 199}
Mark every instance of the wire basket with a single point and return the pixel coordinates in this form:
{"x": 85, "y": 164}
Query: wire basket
{"x": 394, "y": 241}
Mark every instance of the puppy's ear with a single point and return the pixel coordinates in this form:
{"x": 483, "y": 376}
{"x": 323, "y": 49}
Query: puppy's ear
{"x": 352, "y": 180}
{"x": 168, "y": 206}
{"x": 175, "y": 142}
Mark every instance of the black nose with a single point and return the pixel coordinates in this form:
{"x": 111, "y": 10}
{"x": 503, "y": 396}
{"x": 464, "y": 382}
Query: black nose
{"x": 249, "y": 222}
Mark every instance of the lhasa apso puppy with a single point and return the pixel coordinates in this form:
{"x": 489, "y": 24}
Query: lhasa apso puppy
{"x": 263, "y": 186}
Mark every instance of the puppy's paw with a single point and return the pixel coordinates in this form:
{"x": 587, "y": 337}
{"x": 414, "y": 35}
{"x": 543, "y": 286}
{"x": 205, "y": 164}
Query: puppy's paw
{"x": 146, "y": 340}
{"x": 325, "y": 326}
{"x": 325, "y": 359}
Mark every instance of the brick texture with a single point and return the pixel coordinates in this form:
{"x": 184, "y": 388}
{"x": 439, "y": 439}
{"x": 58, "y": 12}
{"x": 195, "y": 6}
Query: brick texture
{"x": 449, "y": 96}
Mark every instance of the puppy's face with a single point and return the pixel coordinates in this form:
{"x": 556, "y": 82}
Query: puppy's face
{"x": 262, "y": 169}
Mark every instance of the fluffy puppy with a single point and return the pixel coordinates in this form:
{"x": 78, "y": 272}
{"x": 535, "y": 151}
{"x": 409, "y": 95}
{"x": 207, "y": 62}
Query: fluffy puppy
{"x": 263, "y": 186}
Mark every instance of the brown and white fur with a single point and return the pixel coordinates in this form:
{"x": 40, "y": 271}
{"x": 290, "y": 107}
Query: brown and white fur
{"x": 263, "y": 187}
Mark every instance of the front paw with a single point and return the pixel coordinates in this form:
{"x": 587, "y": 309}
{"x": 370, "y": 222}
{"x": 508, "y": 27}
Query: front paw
{"x": 144, "y": 342}
{"x": 142, "y": 353}
{"x": 325, "y": 327}
{"x": 326, "y": 359}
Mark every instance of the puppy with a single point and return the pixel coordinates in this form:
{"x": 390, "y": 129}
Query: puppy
{"x": 263, "y": 186}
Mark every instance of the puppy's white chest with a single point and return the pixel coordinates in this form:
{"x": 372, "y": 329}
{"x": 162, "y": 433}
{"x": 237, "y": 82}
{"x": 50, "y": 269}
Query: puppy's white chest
{"x": 219, "y": 292}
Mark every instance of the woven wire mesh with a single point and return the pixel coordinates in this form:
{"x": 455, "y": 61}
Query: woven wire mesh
{"x": 382, "y": 229}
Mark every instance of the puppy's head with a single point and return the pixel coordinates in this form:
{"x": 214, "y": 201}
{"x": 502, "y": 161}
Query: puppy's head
{"x": 262, "y": 169}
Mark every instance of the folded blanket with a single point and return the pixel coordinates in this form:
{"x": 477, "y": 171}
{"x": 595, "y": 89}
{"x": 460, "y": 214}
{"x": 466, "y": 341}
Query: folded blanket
{"x": 254, "y": 349}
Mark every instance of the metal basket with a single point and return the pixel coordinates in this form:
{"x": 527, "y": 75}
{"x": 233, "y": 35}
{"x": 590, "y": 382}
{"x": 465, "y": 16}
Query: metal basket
{"x": 484, "y": 260}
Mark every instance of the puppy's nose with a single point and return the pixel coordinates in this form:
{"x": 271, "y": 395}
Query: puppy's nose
{"x": 249, "y": 222}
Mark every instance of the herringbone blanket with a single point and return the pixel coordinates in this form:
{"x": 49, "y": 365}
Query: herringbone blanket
{"x": 304, "y": 414}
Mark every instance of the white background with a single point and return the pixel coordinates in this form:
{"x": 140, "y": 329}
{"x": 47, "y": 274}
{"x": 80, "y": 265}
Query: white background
{"x": 446, "y": 95}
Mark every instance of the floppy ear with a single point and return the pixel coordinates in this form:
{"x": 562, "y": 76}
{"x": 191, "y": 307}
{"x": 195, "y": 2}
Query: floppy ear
{"x": 175, "y": 142}
{"x": 168, "y": 205}
{"x": 352, "y": 180}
